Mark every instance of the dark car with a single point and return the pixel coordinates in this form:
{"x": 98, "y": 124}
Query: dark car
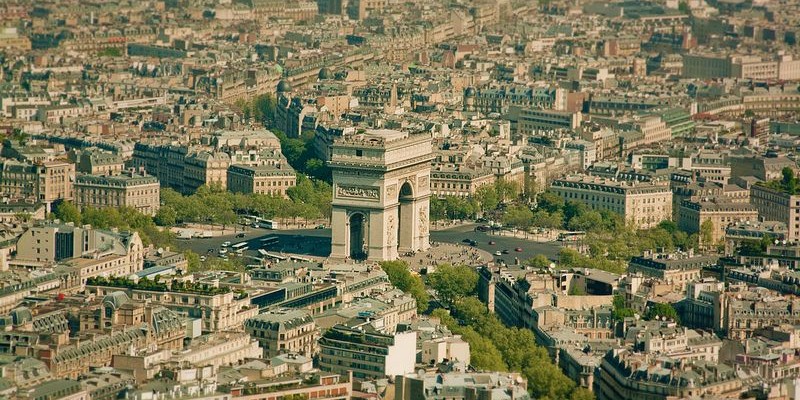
{"x": 473, "y": 243}
{"x": 482, "y": 228}
{"x": 240, "y": 235}
{"x": 505, "y": 251}
{"x": 466, "y": 241}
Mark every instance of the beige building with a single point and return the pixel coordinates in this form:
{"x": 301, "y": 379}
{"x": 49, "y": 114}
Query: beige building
{"x": 719, "y": 210}
{"x": 461, "y": 181}
{"x": 141, "y": 192}
{"x": 89, "y": 252}
{"x": 676, "y": 269}
{"x": 645, "y": 204}
{"x": 775, "y": 204}
{"x": 262, "y": 179}
{"x": 204, "y": 168}
{"x": 217, "y": 308}
{"x": 284, "y": 331}
{"x": 218, "y": 349}
{"x": 98, "y": 163}
{"x": 44, "y": 182}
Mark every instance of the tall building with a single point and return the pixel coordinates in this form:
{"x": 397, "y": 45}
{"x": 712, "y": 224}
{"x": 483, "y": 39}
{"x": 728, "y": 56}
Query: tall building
{"x": 645, "y": 204}
{"x": 89, "y": 252}
{"x": 284, "y": 331}
{"x": 776, "y": 204}
{"x": 369, "y": 354}
{"x": 138, "y": 191}
{"x": 266, "y": 179}
{"x": 44, "y": 182}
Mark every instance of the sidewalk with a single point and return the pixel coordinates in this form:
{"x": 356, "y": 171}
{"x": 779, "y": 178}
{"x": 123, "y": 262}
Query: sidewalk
{"x": 546, "y": 236}
{"x": 451, "y": 253}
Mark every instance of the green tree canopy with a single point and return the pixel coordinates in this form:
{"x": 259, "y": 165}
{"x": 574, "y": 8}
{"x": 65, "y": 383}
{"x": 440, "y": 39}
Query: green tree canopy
{"x": 453, "y": 282}
{"x": 402, "y": 278}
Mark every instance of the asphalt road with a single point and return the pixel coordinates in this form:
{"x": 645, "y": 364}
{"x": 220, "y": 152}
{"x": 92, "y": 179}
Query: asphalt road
{"x": 317, "y": 243}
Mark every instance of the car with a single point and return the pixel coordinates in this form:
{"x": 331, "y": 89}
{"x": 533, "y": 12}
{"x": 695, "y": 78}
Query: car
{"x": 491, "y": 242}
{"x": 224, "y": 257}
{"x": 223, "y": 251}
{"x": 202, "y": 258}
{"x": 473, "y": 243}
{"x": 482, "y": 228}
{"x": 498, "y": 253}
{"x": 320, "y": 226}
{"x": 466, "y": 241}
{"x": 240, "y": 235}
{"x": 226, "y": 244}
{"x": 518, "y": 249}
{"x": 505, "y": 251}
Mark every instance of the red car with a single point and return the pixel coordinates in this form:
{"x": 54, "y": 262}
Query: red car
{"x": 518, "y": 249}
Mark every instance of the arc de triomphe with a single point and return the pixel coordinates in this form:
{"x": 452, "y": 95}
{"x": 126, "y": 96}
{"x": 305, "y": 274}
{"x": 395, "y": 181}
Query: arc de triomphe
{"x": 381, "y": 194}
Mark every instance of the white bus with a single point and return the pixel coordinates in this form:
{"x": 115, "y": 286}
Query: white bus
{"x": 259, "y": 222}
{"x": 269, "y": 241}
{"x": 239, "y": 247}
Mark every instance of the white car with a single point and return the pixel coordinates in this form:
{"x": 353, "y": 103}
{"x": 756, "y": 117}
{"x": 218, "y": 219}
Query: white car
{"x": 226, "y": 244}
{"x": 498, "y": 253}
{"x": 202, "y": 258}
{"x": 222, "y": 252}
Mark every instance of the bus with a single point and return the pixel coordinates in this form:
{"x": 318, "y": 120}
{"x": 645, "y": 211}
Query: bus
{"x": 269, "y": 241}
{"x": 571, "y": 236}
{"x": 239, "y": 247}
{"x": 259, "y": 222}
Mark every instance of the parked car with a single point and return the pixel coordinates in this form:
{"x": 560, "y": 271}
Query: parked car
{"x": 202, "y": 258}
{"x": 320, "y": 226}
{"x": 226, "y": 244}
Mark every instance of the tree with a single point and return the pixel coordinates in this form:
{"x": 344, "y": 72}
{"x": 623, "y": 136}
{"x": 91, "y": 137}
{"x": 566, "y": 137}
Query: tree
{"x": 586, "y": 221}
{"x": 621, "y": 310}
{"x": 661, "y": 310}
{"x": 518, "y": 216}
{"x": 684, "y": 8}
{"x": 506, "y": 190}
{"x": 453, "y": 282}
{"x": 545, "y": 219}
{"x": 193, "y": 261}
{"x": 402, "y": 278}
{"x": 68, "y": 212}
{"x": 550, "y": 202}
{"x": 707, "y": 232}
{"x": 789, "y": 181}
{"x": 487, "y": 197}
{"x": 539, "y": 261}
{"x": 166, "y": 216}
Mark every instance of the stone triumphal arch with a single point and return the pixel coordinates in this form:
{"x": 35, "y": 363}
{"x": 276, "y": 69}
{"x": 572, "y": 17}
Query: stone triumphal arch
{"x": 381, "y": 194}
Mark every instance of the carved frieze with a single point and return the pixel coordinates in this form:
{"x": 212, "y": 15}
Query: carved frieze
{"x": 358, "y": 192}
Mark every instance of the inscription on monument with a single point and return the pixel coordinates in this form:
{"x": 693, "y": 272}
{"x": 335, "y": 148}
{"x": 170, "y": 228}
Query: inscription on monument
{"x": 360, "y": 192}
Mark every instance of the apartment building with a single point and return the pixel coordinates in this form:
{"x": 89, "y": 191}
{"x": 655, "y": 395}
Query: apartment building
{"x": 95, "y": 162}
{"x": 776, "y": 204}
{"x": 44, "y": 182}
{"x": 722, "y": 212}
{"x": 90, "y": 252}
{"x": 461, "y": 181}
{"x": 527, "y": 121}
{"x": 129, "y": 189}
{"x": 645, "y": 204}
{"x": 219, "y": 309}
{"x": 218, "y": 349}
{"x": 676, "y": 269}
{"x": 368, "y": 353}
{"x": 284, "y": 331}
{"x": 461, "y": 385}
{"x": 273, "y": 180}
{"x": 181, "y": 169}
